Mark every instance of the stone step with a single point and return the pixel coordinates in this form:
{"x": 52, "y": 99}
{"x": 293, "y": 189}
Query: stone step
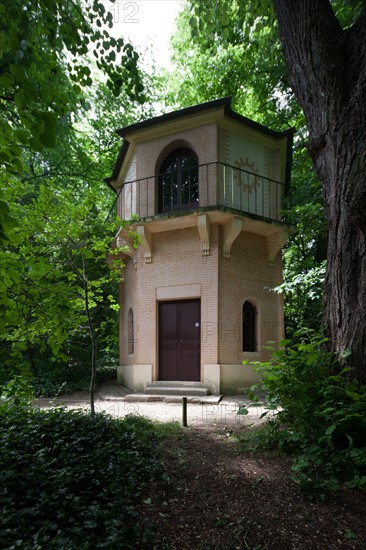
{"x": 175, "y": 383}
{"x": 183, "y": 391}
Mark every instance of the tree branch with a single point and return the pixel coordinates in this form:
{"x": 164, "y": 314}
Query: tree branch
{"x": 92, "y": 335}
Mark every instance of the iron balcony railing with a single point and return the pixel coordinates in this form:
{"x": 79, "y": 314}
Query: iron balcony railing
{"x": 203, "y": 186}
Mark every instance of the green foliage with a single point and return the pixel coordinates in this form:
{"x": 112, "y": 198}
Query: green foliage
{"x": 51, "y": 379}
{"x": 59, "y": 205}
{"x": 232, "y": 40}
{"x": 15, "y": 394}
{"x": 56, "y": 122}
{"x": 71, "y": 482}
{"x": 238, "y": 42}
{"x": 263, "y": 437}
{"x": 42, "y": 291}
{"x": 7, "y": 222}
{"x": 47, "y": 49}
{"x": 347, "y": 12}
{"x": 321, "y": 417}
{"x": 107, "y": 371}
{"x": 305, "y": 253}
{"x": 303, "y": 292}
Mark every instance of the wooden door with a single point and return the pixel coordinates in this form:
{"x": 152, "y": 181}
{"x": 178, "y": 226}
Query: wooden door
{"x": 179, "y": 340}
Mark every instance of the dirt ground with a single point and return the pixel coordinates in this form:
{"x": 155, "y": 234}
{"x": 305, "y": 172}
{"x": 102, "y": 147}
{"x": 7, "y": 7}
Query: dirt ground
{"x": 216, "y": 498}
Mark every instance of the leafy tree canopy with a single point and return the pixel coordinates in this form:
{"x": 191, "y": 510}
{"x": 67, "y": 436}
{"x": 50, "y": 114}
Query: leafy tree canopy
{"x": 60, "y": 75}
{"x": 48, "y": 51}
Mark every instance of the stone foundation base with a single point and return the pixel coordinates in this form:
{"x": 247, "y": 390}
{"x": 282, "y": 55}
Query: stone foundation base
{"x": 228, "y": 379}
{"x": 223, "y": 379}
{"x": 136, "y": 377}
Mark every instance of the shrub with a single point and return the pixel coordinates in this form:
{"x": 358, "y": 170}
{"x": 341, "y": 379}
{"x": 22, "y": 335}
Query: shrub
{"x": 106, "y": 372}
{"x": 321, "y": 417}
{"x": 71, "y": 482}
{"x": 18, "y": 393}
{"x": 52, "y": 379}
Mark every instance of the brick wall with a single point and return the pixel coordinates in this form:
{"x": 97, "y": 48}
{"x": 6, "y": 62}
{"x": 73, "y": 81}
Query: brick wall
{"x": 151, "y": 154}
{"x": 246, "y": 275}
{"x": 179, "y": 271}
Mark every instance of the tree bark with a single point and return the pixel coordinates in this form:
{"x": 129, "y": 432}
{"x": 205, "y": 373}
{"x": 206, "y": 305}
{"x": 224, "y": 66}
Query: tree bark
{"x": 327, "y": 67}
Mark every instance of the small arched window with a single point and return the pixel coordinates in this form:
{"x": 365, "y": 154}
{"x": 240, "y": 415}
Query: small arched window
{"x": 249, "y": 327}
{"x": 178, "y": 181}
{"x": 130, "y": 333}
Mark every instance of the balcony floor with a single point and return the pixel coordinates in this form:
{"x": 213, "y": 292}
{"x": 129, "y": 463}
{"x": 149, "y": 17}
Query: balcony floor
{"x": 217, "y": 215}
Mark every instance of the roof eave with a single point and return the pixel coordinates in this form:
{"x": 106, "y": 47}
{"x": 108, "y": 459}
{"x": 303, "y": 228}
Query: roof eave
{"x": 168, "y": 117}
{"x": 224, "y": 103}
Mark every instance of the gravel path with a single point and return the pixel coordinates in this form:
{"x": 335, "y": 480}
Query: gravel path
{"x": 110, "y": 398}
{"x": 225, "y": 412}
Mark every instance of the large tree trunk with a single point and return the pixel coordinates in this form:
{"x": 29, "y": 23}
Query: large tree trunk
{"x": 327, "y": 67}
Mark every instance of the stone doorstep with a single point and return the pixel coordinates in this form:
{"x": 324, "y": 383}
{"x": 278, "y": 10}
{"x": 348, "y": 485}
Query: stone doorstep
{"x": 177, "y": 390}
{"x": 163, "y": 391}
{"x": 172, "y": 398}
{"x": 175, "y": 383}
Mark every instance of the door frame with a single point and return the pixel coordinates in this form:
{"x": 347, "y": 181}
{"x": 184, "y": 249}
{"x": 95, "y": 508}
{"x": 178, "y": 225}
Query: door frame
{"x": 178, "y": 300}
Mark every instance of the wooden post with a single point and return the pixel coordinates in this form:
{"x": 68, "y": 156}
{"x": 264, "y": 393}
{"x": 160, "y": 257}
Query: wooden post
{"x": 184, "y": 413}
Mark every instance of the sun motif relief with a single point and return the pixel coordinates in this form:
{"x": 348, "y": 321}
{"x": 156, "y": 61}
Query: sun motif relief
{"x": 248, "y": 180}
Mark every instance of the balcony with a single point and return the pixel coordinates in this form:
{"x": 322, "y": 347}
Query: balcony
{"x": 207, "y": 187}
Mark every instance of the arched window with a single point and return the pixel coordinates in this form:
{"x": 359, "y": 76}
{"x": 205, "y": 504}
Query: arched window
{"x": 130, "y": 333}
{"x": 249, "y": 327}
{"x": 178, "y": 181}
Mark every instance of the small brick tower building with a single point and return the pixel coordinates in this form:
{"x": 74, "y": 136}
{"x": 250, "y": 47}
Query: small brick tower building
{"x": 207, "y": 186}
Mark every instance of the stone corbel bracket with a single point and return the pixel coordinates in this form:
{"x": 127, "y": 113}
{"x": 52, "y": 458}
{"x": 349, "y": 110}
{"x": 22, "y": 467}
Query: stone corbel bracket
{"x": 275, "y": 243}
{"x": 124, "y": 243}
{"x": 232, "y": 230}
{"x": 203, "y": 225}
{"x": 145, "y": 241}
